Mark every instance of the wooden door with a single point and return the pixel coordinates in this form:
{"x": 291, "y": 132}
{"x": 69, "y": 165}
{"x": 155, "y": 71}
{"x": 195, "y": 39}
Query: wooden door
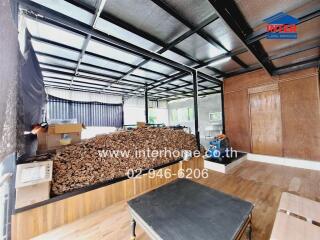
{"x": 265, "y": 116}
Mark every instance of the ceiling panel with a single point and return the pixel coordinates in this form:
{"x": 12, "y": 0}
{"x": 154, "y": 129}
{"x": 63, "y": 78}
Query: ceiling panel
{"x": 195, "y": 11}
{"x": 125, "y": 35}
{"x": 56, "y": 75}
{"x": 220, "y": 31}
{"x": 98, "y": 77}
{"x": 137, "y": 79}
{"x": 247, "y": 58}
{"x": 91, "y": 3}
{"x": 55, "y": 61}
{"x": 105, "y": 63}
{"x": 199, "y": 48}
{"x": 111, "y": 52}
{"x": 53, "y": 33}
{"x": 175, "y": 57}
{"x": 147, "y": 16}
{"x": 147, "y": 74}
{"x": 52, "y": 80}
{"x": 155, "y": 66}
{"x": 42, "y": 47}
{"x": 208, "y": 71}
{"x": 98, "y": 70}
{"x": 227, "y": 66}
{"x": 44, "y": 66}
{"x": 67, "y": 9}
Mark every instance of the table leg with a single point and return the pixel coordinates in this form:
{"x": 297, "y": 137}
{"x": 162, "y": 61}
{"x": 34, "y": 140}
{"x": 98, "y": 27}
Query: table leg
{"x": 133, "y": 229}
{"x": 249, "y": 231}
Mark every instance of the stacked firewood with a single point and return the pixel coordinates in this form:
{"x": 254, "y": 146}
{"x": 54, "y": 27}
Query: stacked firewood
{"x": 111, "y": 156}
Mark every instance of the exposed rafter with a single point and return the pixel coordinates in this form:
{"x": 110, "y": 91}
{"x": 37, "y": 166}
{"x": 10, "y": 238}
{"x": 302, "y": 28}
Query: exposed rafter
{"x": 230, "y": 13}
{"x": 214, "y": 42}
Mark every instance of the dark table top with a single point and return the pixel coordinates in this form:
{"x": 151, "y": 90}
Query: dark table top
{"x": 183, "y": 210}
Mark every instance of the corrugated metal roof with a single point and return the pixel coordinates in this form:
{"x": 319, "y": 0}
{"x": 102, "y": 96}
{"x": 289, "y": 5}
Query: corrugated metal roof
{"x": 186, "y": 32}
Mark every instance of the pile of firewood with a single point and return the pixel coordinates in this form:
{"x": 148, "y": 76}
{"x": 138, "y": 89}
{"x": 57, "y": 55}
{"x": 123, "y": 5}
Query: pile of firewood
{"x": 96, "y": 160}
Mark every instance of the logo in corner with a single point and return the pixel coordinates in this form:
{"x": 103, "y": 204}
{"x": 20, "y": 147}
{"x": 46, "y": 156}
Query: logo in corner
{"x": 281, "y": 26}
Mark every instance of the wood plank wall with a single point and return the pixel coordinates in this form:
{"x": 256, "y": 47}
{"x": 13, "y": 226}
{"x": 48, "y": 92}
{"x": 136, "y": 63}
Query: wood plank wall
{"x": 300, "y": 112}
{"x": 33, "y": 222}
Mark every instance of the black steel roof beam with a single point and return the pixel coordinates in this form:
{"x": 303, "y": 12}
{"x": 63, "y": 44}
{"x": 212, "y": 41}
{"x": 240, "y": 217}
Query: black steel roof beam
{"x": 174, "y": 42}
{"x": 314, "y": 62}
{"x": 99, "y": 7}
{"x": 89, "y": 65}
{"x": 57, "y": 18}
{"x": 61, "y": 45}
{"x": 97, "y": 85}
{"x": 104, "y": 80}
{"x": 244, "y": 70}
{"x": 177, "y": 76}
{"x": 214, "y": 42}
{"x": 261, "y": 34}
{"x": 295, "y": 51}
{"x": 230, "y": 13}
{"x": 101, "y": 57}
{"x": 190, "y": 84}
{"x": 74, "y": 89}
{"x": 115, "y": 20}
{"x": 189, "y": 95}
{"x": 100, "y": 77}
{"x": 53, "y": 16}
{"x": 124, "y": 82}
{"x": 111, "y": 78}
{"x": 76, "y": 84}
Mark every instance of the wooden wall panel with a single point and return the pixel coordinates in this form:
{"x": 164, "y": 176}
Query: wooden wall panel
{"x": 237, "y": 119}
{"x": 266, "y": 126}
{"x": 301, "y": 116}
{"x": 247, "y": 80}
{"x": 36, "y": 221}
{"x": 299, "y": 95}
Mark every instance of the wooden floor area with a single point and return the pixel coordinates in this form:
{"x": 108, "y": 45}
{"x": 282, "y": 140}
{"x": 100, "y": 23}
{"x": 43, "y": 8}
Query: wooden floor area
{"x": 259, "y": 183}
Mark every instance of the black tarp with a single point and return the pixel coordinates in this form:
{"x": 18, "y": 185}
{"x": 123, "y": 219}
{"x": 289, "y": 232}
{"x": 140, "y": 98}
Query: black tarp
{"x": 32, "y": 87}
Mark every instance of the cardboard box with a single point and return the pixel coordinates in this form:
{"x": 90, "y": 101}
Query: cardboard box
{"x": 141, "y": 124}
{"x": 32, "y": 194}
{"x": 51, "y": 139}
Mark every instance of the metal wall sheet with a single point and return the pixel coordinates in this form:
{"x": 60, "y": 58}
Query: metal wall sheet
{"x": 89, "y": 113}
